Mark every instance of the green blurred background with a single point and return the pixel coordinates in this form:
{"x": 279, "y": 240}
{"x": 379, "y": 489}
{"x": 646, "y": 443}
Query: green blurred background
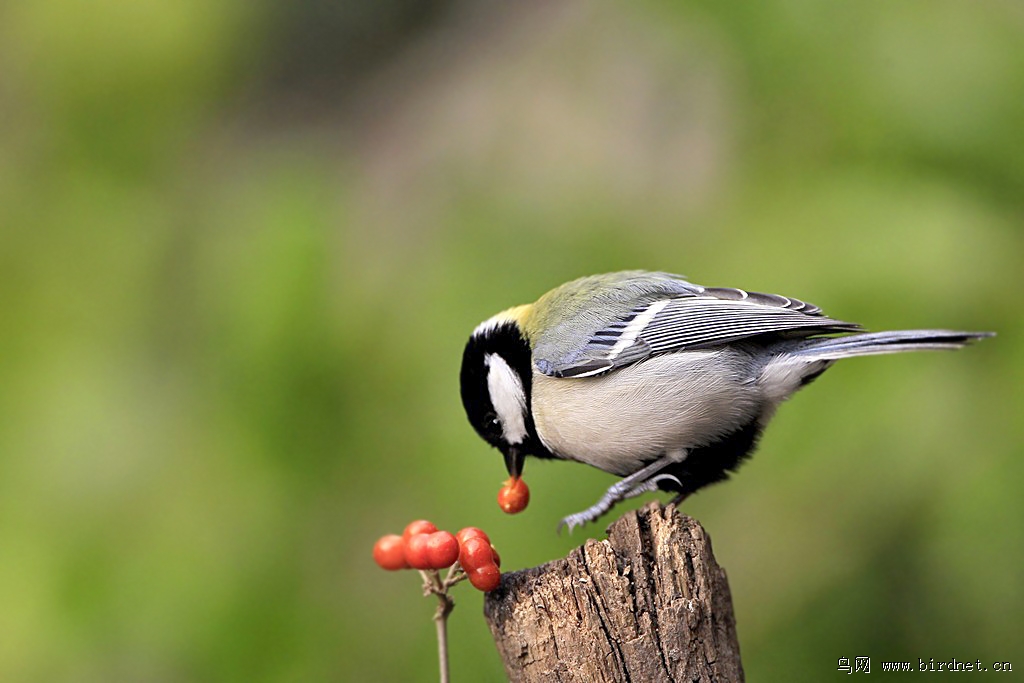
{"x": 243, "y": 245}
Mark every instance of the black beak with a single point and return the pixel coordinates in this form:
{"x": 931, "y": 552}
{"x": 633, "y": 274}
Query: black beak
{"x": 514, "y": 461}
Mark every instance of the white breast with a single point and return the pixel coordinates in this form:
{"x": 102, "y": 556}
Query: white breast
{"x": 618, "y": 421}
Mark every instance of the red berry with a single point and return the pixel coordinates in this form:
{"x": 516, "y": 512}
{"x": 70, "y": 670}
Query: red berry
{"x": 485, "y": 578}
{"x": 471, "y": 532}
{"x": 514, "y": 496}
{"x": 497, "y": 557}
{"x": 389, "y": 552}
{"x": 420, "y": 526}
{"x": 442, "y": 549}
{"x": 474, "y": 553}
{"x": 416, "y": 552}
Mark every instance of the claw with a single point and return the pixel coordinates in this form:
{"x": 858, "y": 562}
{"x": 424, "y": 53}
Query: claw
{"x": 666, "y": 477}
{"x": 571, "y": 522}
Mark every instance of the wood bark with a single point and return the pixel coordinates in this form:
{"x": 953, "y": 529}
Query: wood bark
{"x": 647, "y": 604}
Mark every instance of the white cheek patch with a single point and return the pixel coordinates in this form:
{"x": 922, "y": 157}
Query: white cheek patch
{"x": 508, "y": 398}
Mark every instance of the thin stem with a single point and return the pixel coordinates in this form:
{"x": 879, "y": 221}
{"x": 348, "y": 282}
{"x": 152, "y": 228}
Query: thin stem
{"x": 455, "y": 574}
{"x": 432, "y": 584}
{"x": 441, "y": 622}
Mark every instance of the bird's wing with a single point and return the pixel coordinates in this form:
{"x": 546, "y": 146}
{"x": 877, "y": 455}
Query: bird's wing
{"x": 709, "y": 317}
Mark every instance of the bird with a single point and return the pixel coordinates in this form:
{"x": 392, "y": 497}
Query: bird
{"x": 647, "y": 376}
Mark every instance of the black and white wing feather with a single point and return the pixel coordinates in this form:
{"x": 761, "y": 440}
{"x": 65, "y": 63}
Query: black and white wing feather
{"x": 712, "y": 317}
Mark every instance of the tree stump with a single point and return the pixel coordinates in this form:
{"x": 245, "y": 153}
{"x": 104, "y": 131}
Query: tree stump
{"x": 648, "y": 604}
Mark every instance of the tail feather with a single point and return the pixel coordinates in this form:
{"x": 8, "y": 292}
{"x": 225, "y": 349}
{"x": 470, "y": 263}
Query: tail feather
{"x": 873, "y": 343}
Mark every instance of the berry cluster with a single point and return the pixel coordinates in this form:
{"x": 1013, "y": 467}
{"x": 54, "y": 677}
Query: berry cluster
{"x": 422, "y": 546}
{"x": 479, "y": 559}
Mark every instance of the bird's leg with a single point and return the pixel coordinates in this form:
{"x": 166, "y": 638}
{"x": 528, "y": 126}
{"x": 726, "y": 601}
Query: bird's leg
{"x": 651, "y": 485}
{"x": 643, "y": 480}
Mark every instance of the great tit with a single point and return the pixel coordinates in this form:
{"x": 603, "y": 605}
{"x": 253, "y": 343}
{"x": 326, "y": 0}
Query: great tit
{"x": 650, "y": 377}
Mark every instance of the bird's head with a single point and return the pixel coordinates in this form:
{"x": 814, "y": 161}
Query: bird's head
{"x": 496, "y": 380}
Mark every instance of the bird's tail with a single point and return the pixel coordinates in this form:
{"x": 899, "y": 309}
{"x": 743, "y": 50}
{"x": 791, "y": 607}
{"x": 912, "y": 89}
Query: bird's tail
{"x": 874, "y": 343}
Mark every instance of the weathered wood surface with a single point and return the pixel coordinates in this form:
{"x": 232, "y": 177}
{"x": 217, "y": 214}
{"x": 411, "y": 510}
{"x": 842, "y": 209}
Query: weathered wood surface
{"x": 647, "y": 604}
